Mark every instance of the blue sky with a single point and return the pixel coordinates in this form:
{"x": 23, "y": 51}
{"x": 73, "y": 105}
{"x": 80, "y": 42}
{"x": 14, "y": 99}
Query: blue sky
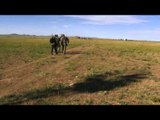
{"x": 138, "y": 27}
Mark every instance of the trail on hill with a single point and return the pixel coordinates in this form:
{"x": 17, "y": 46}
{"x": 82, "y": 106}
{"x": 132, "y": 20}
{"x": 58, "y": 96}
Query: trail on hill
{"x": 24, "y": 77}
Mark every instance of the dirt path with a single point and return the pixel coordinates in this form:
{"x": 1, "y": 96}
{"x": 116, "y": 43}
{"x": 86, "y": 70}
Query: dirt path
{"x": 23, "y": 77}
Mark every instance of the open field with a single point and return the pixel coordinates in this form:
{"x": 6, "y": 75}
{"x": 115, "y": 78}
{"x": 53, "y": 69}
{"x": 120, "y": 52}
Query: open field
{"x": 93, "y": 72}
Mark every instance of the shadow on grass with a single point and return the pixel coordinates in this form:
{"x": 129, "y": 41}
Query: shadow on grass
{"x": 0, "y": 76}
{"x": 73, "y": 52}
{"x": 31, "y": 95}
{"x": 97, "y": 83}
{"x": 91, "y": 84}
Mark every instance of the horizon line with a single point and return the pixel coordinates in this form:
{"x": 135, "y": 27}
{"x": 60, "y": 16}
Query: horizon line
{"x": 84, "y": 37}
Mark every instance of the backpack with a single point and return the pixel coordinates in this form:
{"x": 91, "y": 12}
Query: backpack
{"x": 52, "y": 40}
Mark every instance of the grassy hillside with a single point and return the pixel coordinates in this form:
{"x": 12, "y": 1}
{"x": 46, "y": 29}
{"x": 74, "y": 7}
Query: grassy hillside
{"x": 92, "y": 72}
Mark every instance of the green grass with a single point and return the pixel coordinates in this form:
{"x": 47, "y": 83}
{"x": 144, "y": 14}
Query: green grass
{"x": 25, "y": 49}
{"x": 109, "y": 72}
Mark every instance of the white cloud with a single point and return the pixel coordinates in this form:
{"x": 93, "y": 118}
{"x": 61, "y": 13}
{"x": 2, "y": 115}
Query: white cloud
{"x": 65, "y": 26}
{"x": 54, "y": 22}
{"x": 109, "y": 19}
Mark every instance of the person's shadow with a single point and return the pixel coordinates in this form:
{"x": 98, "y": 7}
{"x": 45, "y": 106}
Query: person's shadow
{"x": 103, "y": 82}
{"x": 91, "y": 84}
{"x": 73, "y": 52}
